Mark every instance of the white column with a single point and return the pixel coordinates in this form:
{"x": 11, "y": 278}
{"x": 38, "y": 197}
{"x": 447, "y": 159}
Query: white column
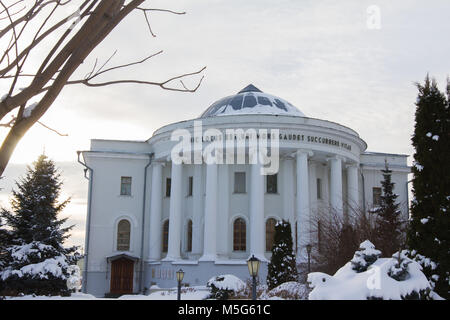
{"x": 313, "y": 197}
{"x": 156, "y": 212}
{"x": 302, "y": 203}
{"x": 223, "y": 210}
{"x": 352, "y": 187}
{"x": 173, "y": 252}
{"x": 198, "y": 210}
{"x": 257, "y": 244}
{"x": 210, "y": 237}
{"x": 336, "y": 184}
{"x": 288, "y": 192}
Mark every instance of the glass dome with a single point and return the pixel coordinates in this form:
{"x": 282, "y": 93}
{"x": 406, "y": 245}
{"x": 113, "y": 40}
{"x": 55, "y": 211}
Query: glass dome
{"x": 251, "y": 100}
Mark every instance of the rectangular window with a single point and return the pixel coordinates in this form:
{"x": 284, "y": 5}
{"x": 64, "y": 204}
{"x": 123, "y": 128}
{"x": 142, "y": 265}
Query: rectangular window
{"x": 319, "y": 189}
{"x": 168, "y": 186}
{"x": 125, "y": 186}
{"x": 376, "y": 193}
{"x": 272, "y": 183}
{"x": 239, "y": 182}
{"x": 190, "y": 186}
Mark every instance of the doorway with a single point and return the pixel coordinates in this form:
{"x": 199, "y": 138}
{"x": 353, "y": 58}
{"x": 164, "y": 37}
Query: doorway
{"x": 122, "y": 274}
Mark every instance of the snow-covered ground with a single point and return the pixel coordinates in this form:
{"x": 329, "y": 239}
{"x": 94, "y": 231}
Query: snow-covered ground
{"x": 194, "y": 293}
{"x": 367, "y": 276}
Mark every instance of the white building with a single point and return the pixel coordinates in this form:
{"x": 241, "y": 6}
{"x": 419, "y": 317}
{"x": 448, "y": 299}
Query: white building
{"x": 220, "y": 214}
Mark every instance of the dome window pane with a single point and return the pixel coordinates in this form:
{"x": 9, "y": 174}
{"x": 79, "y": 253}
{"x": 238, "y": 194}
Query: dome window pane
{"x": 264, "y": 101}
{"x": 236, "y": 102}
{"x": 280, "y": 104}
{"x": 249, "y": 101}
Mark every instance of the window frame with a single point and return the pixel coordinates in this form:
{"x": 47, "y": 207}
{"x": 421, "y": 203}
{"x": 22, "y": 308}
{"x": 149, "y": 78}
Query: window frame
{"x": 376, "y": 196}
{"x": 168, "y": 187}
{"x": 239, "y": 235}
{"x": 236, "y": 188}
{"x": 127, "y": 191}
{"x": 189, "y": 236}
{"x": 165, "y": 237}
{"x": 276, "y": 183}
{"x": 319, "y": 189}
{"x": 120, "y": 245}
{"x": 190, "y": 186}
{"x": 272, "y": 233}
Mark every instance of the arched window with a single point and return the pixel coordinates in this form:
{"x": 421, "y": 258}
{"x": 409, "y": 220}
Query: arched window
{"x": 189, "y": 236}
{"x": 123, "y": 235}
{"x": 270, "y": 233}
{"x": 239, "y": 235}
{"x": 165, "y": 236}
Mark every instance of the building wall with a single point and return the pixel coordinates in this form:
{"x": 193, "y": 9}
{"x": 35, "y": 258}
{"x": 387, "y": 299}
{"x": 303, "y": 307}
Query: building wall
{"x": 112, "y": 159}
{"x": 108, "y": 207}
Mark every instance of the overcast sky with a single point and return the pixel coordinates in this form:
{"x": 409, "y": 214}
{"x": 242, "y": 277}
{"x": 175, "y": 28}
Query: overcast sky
{"x": 321, "y": 56}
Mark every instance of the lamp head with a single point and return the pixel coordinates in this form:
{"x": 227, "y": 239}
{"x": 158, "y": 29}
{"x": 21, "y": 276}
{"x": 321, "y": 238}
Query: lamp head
{"x": 253, "y": 266}
{"x": 180, "y": 275}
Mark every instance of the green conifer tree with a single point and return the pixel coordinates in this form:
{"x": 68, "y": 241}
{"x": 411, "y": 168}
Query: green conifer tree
{"x": 282, "y": 267}
{"x": 389, "y": 224}
{"x": 36, "y": 260}
{"x": 428, "y": 234}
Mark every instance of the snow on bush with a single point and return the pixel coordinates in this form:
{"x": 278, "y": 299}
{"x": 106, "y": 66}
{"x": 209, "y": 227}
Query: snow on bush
{"x": 41, "y": 270}
{"x": 39, "y": 265}
{"x": 430, "y": 268}
{"x": 227, "y": 282}
{"x": 225, "y": 286}
{"x": 74, "y": 280}
{"x": 393, "y": 278}
{"x": 290, "y": 290}
{"x": 35, "y": 251}
{"x": 365, "y": 256}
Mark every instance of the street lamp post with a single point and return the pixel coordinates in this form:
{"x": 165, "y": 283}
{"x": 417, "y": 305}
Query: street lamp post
{"x": 180, "y": 276}
{"x": 308, "y": 250}
{"x": 253, "y": 268}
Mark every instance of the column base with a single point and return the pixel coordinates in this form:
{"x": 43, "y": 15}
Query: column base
{"x": 171, "y": 258}
{"x": 208, "y": 257}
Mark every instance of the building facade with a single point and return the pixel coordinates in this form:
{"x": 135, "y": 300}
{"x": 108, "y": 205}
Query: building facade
{"x": 159, "y": 205}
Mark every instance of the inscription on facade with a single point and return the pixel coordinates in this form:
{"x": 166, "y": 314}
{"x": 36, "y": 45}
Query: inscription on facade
{"x": 281, "y": 136}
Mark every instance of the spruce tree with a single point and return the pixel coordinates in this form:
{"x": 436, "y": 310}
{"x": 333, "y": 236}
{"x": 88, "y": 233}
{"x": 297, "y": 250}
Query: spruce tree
{"x": 36, "y": 260}
{"x": 388, "y": 228}
{"x": 428, "y": 235}
{"x": 4, "y": 242}
{"x": 282, "y": 267}
{"x": 365, "y": 256}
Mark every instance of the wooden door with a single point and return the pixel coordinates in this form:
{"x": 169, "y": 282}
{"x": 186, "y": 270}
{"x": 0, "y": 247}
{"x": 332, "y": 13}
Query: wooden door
{"x": 122, "y": 272}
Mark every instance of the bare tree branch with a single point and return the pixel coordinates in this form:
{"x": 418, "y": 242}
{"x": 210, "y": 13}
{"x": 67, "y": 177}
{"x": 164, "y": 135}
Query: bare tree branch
{"x": 145, "y": 11}
{"x": 164, "y": 84}
{"x": 51, "y": 129}
{"x": 96, "y": 20}
{"x": 32, "y": 13}
{"x": 160, "y": 10}
{"x": 14, "y": 13}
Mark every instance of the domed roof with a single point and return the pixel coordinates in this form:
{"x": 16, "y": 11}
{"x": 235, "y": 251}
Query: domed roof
{"x": 251, "y": 100}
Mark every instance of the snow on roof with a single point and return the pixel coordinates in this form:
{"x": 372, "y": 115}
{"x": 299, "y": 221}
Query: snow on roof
{"x": 251, "y": 100}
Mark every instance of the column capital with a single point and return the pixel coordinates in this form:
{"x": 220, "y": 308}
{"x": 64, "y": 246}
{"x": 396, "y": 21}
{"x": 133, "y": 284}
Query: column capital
{"x": 287, "y": 156}
{"x": 308, "y": 153}
{"x": 337, "y": 157}
{"x": 351, "y": 165}
{"x": 161, "y": 163}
